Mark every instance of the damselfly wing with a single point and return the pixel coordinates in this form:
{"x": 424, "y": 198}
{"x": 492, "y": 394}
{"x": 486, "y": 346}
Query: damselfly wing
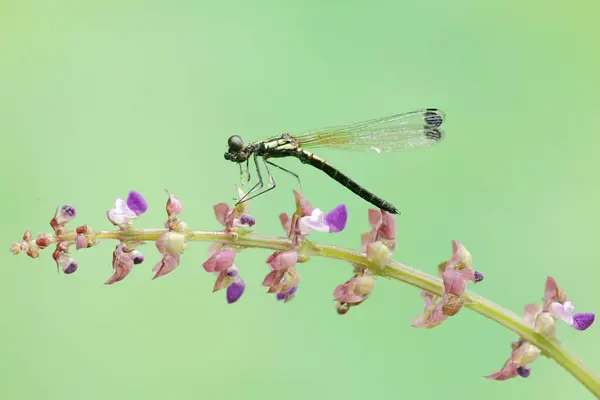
{"x": 394, "y": 133}
{"x": 398, "y": 132}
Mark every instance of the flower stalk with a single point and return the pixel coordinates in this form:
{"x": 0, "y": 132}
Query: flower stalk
{"x": 551, "y": 348}
{"x": 444, "y": 297}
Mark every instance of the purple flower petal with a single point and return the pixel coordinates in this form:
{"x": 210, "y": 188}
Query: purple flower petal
{"x": 247, "y": 220}
{"x": 337, "y": 218}
{"x": 136, "y": 203}
{"x": 235, "y": 291}
{"x": 284, "y": 295}
{"x": 478, "y": 276}
{"x": 523, "y": 371}
{"x": 583, "y": 321}
{"x": 68, "y": 212}
{"x": 72, "y": 267}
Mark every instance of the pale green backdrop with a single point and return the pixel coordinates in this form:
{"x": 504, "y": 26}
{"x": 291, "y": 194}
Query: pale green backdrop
{"x": 100, "y": 97}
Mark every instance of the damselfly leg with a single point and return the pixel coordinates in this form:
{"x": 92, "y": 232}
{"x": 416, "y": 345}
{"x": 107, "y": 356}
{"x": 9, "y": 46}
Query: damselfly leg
{"x": 245, "y": 173}
{"x": 258, "y": 184}
{"x": 289, "y": 172}
{"x": 271, "y": 185}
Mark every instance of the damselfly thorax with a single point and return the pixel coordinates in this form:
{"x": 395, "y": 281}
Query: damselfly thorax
{"x": 394, "y": 133}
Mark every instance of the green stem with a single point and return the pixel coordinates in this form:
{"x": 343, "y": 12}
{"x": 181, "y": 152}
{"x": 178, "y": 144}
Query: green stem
{"x": 550, "y": 347}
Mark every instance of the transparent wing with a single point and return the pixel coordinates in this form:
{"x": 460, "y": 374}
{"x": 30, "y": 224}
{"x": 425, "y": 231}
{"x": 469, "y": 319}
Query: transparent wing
{"x": 394, "y": 133}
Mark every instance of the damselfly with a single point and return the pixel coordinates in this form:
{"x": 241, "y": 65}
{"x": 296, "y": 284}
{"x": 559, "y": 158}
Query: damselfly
{"x": 394, "y": 133}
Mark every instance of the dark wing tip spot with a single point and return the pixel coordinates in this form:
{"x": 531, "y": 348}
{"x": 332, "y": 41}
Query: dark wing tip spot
{"x": 434, "y": 134}
{"x": 433, "y": 117}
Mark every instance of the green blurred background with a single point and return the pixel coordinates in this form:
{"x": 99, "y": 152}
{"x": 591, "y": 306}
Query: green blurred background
{"x": 101, "y": 97}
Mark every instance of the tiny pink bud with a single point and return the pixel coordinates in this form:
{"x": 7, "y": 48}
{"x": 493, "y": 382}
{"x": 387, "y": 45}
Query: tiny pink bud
{"x": 44, "y": 240}
{"x": 33, "y": 253}
{"x": 83, "y": 229}
{"x": 15, "y": 248}
{"x": 81, "y": 242}
{"x": 174, "y": 205}
{"x": 27, "y": 236}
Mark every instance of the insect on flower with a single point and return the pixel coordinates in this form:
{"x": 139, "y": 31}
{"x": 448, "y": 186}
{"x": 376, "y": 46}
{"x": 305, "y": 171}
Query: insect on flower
{"x": 388, "y": 134}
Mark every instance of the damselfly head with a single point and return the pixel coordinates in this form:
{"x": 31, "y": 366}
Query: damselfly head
{"x": 235, "y": 143}
{"x": 236, "y": 149}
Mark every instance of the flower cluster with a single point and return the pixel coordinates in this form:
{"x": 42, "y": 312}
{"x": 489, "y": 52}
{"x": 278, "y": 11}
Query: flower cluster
{"x": 126, "y": 253}
{"x": 455, "y": 272}
{"x": 236, "y": 220}
{"x": 282, "y": 278}
{"x": 379, "y": 244}
{"x": 556, "y": 306}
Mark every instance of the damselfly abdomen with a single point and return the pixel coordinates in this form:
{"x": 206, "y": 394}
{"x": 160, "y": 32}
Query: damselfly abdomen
{"x": 394, "y": 133}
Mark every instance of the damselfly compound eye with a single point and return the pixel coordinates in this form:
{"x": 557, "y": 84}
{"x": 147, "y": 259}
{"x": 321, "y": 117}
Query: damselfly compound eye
{"x": 235, "y": 143}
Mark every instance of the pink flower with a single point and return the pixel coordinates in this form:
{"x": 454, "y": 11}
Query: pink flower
{"x": 432, "y": 312}
{"x": 221, "y": 260}
{"x": 170, "y": 245}
{"x": 237, "y": 218}
{"x": 174, "y": 205}
{"x": 282, "y": 260}
{"x": 291, "y": 224}
{"x": 62, "y": 216}
{"x": 287, "y": 296}
{"x": 383, "y": 228}
{"x": 354, "y": 291}
{"x": 455, "y": 273}
{"x": 558, "y": 305}
{"x": 62, "y": 258}
{"x": 283, "y": 276}
{"x": 282, "y": 280}
{"x": 229, "y": 279}
{"x": 126, "y": 210}
{"x": 523, "y": 354}
{"x": 167, "y": 264}
{"x": 334, "y": 221}
{"x": 124, "y": 258}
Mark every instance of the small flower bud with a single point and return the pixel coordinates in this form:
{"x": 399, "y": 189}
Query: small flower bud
{"x": 27, "y": 236}
{"x": 33, "y": 253}
{"x": 174, "y": 205}
{"x": 83, "y": 229}
{"x": 545, "y": 324}
{"x": 171, "y": 242}
{"x": 526, "y": 354}
{"x": 379, "y": 254}
{"x": 44, "y": 240}
{"x": 16, "y": 248}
